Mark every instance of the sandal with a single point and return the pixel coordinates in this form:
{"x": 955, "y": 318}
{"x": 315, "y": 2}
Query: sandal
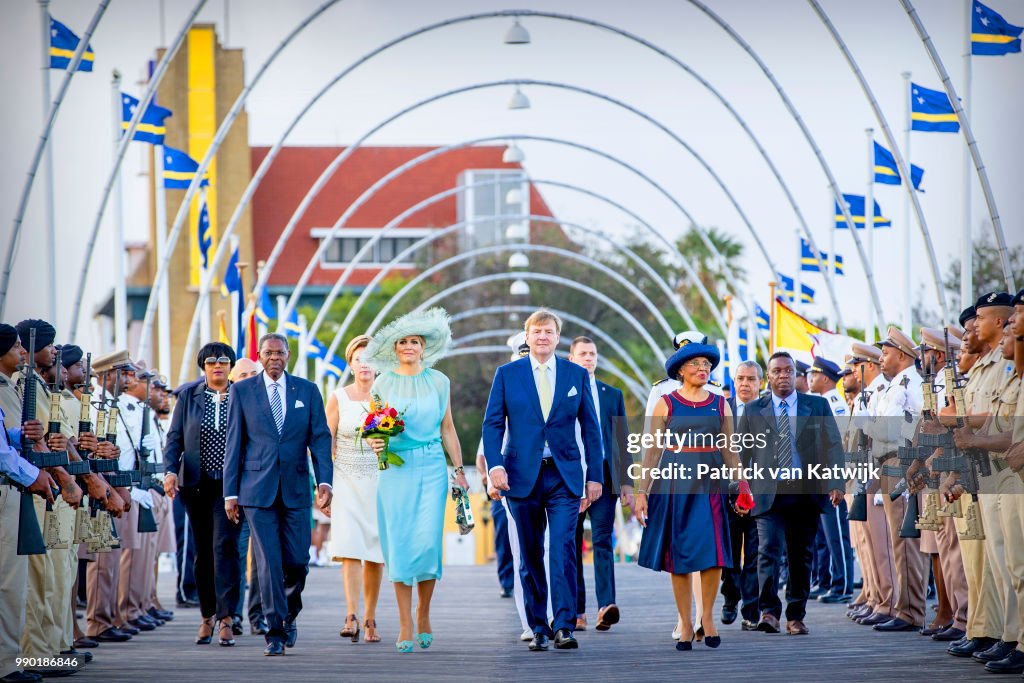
{"x": 205, "y": 635}
{"x": 225, "y": 635}
{"x": 351, "y": 629}
{"x": 371, "y": 631}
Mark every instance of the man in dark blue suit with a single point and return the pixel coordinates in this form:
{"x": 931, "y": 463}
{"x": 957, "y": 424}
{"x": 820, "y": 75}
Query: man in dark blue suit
{"x": 611, "y": 408}
{"x": 541, "y": 470}
{"x": 275, "y": 423}
{"x": 791, "y": 432}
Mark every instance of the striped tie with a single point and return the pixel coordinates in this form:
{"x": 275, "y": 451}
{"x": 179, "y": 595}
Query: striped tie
{"x": 276, "y": 407}
{"x": 784, "y": 449}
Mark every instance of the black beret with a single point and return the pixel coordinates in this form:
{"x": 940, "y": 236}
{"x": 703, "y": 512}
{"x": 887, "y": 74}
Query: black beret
{"x": 968, "y": 314}
{"x": 987, "y": 300}
{"x": 8, "y": 338}
{"x": 70, "y": 354}
{"x": 1019, "y": 299}
{"x": 45, "y": 332}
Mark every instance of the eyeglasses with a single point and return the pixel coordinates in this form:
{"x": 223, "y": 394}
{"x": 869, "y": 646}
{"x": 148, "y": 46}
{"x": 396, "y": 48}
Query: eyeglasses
{"x": 698, "y": 365}
{"x": 224, "y": 360}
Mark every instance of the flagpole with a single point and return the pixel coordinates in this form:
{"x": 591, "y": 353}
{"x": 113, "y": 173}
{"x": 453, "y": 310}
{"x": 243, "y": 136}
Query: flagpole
{"x": 869, "y": 227}
{"x": 798, "y": 279}
{"x": 162, "y": 294}
{"x": 771, "y": 319}
{"x": 908, "y": 321}
{"x": 830, "y": 262}
{"x": 120, "y": 267}
{"x": 300, "y": 369}
{"x": 966, "y": 248}
{"x": 51, "y": 229}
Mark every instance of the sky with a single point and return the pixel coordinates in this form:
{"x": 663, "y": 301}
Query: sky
{"x": 786, "y": 33}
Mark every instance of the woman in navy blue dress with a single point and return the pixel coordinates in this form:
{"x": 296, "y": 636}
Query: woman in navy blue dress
{"x": 685, "y": 520}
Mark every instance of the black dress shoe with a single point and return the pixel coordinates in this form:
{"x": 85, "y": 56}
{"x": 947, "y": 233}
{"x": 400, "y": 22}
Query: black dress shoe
{"x": 1012, "y": 663}
{"x": 539, "y": 642}
{"x": 275, "y": 648}
{"x": 748, "y": 625}
{"x": 949, "y": 635}
{"x": 506, "y": 593}
{"x": 85, "y": 643}
{"x": 291, "y": 632}
{"x": 873, "y": 619}
{"x": 236, "y": 626}
{"x": 162, "y": 614}
{"x": 142, "y": 625}
{"x": 564, "y": 640}
{"x": 188, "y": 604}
{"x": 259, "y": 627}
{"x": 152, "y": 620}
{"x": 831, "y": 598}
{"x": 971, "y": 646}
{"x": 895, "y": 625}
{"x": 21, "y": 677}
{"x": 86, "y": 656}
{"x": 1000, "y": 650}
{"x": 113, "y": 635}
{"x": 729, "y": 614}
{"x": 129, "y": 629}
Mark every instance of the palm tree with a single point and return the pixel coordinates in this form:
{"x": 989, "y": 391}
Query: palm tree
{"x": 709, "y": 269}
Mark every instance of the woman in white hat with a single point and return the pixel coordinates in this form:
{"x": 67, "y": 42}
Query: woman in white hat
{"x": 411, "y": 497}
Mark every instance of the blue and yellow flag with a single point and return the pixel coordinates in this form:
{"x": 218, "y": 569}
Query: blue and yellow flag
{"x": 205, "y": 241}
{"x": 332, "y": 365}
{"x": 787, "y": 285}
{"x": 991, "y": 34}
{"x": 931, "y": 111}
{"x": 151, "y": 127}
{"x": 64, "y": 44}
{"x": 855, "y": 203}
{"x": 888, "y": 173}
{"x": 265, "y": 312}
{"x": 811, "y": 264}
{"x": 232, "y": 282}
{"x": 761, "y": 318}
{"x": 180, "y": 169}
{"x": 291, "y": 326}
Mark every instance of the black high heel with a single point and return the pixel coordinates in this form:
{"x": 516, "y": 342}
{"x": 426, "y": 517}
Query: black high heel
{"x": 685, "y": 645}
{"x": 699, "y": 633}
{"x": 713, "y": 641}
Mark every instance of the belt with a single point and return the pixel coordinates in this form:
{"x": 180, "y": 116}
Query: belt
{"x": 214, "y": 474}
{"x": 549, "y": 461}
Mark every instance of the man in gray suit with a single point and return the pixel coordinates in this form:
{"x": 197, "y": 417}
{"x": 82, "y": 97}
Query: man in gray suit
{"x": 275, "y": 423}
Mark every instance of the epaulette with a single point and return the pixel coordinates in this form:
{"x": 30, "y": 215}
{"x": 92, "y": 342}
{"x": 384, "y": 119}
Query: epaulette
{"x": 3, "y": 382}
{"x": 130, "y": 406}
{"x": 715, "y": 384}
{"x": 905, "y": 382}
{"x": 661, "y": 381}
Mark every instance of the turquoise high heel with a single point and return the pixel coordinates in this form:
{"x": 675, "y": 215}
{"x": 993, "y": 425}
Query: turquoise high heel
{"x": 425, "y": 639}
{"x": 404, "y": 646}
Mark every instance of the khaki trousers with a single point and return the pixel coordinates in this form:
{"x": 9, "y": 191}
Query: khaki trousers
{"x": 101, "y": 593}
{"x": 982, "y": 601}
{"x": 953, "y": 571}
{"x": 1002, "y": 542}
{"x": 13, "y": 581}
{"x": 880, "y": 539}
{"x": 135, "y": 578}
{"x": 50, "y": 577}
{"x": 911, "y": 563}
{"x": 1014, "y": 532}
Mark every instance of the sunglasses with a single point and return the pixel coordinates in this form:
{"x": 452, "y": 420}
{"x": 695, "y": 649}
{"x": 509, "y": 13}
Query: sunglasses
{"x": 224, "y": 360}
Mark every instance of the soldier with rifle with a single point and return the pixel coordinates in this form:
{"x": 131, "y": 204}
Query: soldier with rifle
{"x": 856, "y": 493}
{"x": 898, "y": 408}
{"x": 991, "y": 397}
{"x": 865, "y": 363}
{"x": 19, "y": 479}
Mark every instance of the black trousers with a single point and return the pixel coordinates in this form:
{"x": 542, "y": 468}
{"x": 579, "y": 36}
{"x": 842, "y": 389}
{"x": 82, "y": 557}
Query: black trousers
{"x": 185, "y": 554}
{"x": 789, "y": 525}
{"x": 216, "y": 541}
{"x": 739, "y": 583}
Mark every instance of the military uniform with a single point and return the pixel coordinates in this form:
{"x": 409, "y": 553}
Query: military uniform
{"x": 901, "y": 399}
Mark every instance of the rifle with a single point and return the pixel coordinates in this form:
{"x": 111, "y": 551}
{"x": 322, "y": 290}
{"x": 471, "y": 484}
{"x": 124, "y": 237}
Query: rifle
{"x": 30, "y": 536}
{"x": 144, "y": 469}
{"x": 929, "y": 403}
{"x": 858, "y": 511}
{"x": 117, "y": 478}
{"x": 98, "y": 465}
{"x": 75, "y": 468}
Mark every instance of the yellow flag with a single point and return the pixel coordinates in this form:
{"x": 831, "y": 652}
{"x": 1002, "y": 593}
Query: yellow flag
{"x": 791, "y": 330}
{"x": 223, "y": 338}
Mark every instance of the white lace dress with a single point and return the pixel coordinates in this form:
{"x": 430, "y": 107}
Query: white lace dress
{"x": 354, "y": 531}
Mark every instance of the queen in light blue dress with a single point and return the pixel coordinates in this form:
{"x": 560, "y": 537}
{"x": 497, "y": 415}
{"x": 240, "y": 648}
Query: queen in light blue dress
{"x": 411, "y": 497}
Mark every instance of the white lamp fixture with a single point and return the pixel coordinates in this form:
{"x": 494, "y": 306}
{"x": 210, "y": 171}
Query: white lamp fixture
{"x": 517, "y": 35}
{"x": 518, "y": 260}
{"x": 513, "y": 155}
{"x": 519, "y": 100}
{"x": 514, "y": 196}
{"x": 517, "y": 232}
{"x": 519, "y": 288}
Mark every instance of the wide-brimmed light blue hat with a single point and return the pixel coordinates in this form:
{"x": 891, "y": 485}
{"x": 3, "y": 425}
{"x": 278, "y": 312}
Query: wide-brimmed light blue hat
{"x": 688, "y": 348}
{"x": 434, "y": 325}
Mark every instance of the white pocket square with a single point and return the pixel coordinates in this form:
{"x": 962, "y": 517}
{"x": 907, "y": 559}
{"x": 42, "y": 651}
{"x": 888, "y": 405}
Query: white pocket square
{"x": 300, "y": 404}
{"x": 572, "y": 392}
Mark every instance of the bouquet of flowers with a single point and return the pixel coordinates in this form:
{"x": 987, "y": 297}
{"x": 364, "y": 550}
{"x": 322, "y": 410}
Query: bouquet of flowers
{"x": 382, "y": 421}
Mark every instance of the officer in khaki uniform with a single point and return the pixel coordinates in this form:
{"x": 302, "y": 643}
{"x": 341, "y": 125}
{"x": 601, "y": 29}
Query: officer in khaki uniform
{"x": 986, "y": 620}
{"x": 865, "y": 359}
{"x": 991, "y": 432}
{"x": 1015, "y": 459}
{"x": 899, "y": 406}
{"x": 947, "y": 542}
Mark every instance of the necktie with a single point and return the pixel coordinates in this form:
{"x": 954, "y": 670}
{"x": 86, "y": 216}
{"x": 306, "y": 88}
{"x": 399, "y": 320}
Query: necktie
{"x": 544, "y": 390}
{"x": 276, "y": 407}
{"x": 784, "y": 450}
{"x": 597, "y": 400}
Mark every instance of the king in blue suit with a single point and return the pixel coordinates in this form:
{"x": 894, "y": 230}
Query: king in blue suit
{"x": 540, "y": 471}
{"x": 276, "y": 425}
